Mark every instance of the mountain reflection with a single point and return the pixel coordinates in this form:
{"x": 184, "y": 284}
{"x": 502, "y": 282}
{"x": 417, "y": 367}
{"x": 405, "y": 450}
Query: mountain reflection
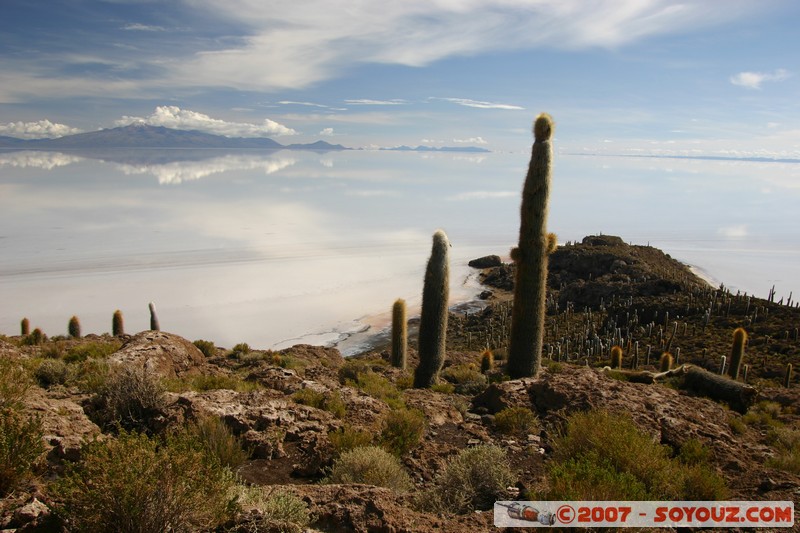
{"x": 169, "y": 166}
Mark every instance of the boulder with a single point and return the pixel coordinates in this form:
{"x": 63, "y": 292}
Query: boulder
{"x": 162, "y": 353}
{"x": 487, "y": 261}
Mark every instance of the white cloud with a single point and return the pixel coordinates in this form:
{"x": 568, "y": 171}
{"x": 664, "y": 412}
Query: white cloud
{"x": 753, "y": 80}
{"x": 376, "y": 102}
{"x": 733, "y": 232}
{"x": 42, "y": 129}
{"x": 183, "y": 171}
{"x": 135, "y": 26}
{"x": 297, "y": 44}
{"x": 480, "y": 105}
{"x": 32, "y": 159}
{"x": 471, "y": 140}
{"x": 327, "y": 132}
{"x": 482, "y": 195}
{"x": 184, "y": 119}
{"x": 312, "y": 104}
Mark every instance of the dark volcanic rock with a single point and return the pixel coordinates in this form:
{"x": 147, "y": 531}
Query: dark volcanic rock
{"x": 487, "y": 261}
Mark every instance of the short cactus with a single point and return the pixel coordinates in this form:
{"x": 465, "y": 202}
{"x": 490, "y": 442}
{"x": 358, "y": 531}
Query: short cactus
{"x": 25, "y": 327}
{"x": 433, "y": 319}
{"x": 117, "y": 324}
{"x": 616, "y": 357}
{"x": 487, "y": 361}
{"x": 154, "y": 325}
{"x": 74, "y": 328}
{"x": 666, "y": 361}
{"x": 36, "y": 337}
{"x": 737, "y": 352}
{"x": 399, "y": 334}
{"x": 530, "y": 257}
{"x": 787, "y": 377}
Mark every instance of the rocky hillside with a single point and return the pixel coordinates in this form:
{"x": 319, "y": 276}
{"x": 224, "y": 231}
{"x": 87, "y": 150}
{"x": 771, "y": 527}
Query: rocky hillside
{"x": 304, "y": 417}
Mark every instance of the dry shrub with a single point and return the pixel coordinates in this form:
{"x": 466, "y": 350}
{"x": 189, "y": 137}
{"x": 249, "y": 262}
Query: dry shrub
{"x": 138, "y": 484}
{"x": 370, "y": 465}
{"x": 131, "y": 398}
{"x": 20, "y": 447}
{"x": 472, "y": 480}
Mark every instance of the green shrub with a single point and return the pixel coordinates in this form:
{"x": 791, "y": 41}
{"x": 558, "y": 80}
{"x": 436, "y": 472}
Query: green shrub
{"x": 472, "y": 480}
{"x": 702, "y": 483}
{"x": 280, "y": 511}
{"x": 380, "y": 388}
{"x": 764, "y": 415}
{"x": 443, "y": 388}
{"x": 518, "y": 421}
{"x": 219, "y": 441}
{"x": 330, "y": 401}
{"x": 14, "y": 383}
{"x": 402, "y": 430}
{"x": 466, "y": 378}
{"x": 89, "y": 376}
{"x": 348, "y": 438}
{"x": 598, "y": 442}
{"x": 370, "y": 465}
{"x": 51, "y": 372}
{"x": 694, "y": 452}
{"x": 20, "y": 447}
{"x": 787, "y": 443}
{"x": 137, "y": 484}
{"x": 593, "y": 478}
{"x": 130, "y": 398}
{"x": 206, "y": 347}
{"x": 91, "y": 350}
{"x": 240, "y": 350}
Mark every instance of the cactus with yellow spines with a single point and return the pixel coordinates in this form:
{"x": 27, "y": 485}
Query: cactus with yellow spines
{"x": 487, "y": 361}
{"x": 666, "y": 362}
{"x": 433, "y": 319}
{"x": 616, "y": 357}
{"x": 530, "y": 257}
{"x": 117, "y": 324}
{"x": 74, "y": 328}
{"x": 737, "y": 352}
{"x": 399, "y": 334}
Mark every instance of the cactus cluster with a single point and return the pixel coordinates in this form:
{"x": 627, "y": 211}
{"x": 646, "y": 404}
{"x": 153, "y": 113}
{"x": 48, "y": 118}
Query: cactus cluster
{"x": 530, "y": 257}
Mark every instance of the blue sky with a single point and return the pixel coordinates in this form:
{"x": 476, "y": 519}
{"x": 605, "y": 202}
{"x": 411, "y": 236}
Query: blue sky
{"x": 645, "y": 77}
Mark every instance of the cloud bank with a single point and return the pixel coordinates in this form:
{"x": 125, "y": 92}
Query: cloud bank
{"x": 753, "y": 80}
{"x": 184, "y": 119}
{"x": 42, "y": 129}
{"x": 298, "y": 44}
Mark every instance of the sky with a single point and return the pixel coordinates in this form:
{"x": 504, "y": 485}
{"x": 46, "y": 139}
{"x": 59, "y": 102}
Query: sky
{"x": 630, "y": 77}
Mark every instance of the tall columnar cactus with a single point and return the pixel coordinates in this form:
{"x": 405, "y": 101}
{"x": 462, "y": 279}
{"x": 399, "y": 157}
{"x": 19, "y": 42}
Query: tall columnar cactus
{"x": 117, "y": 324}
{"x": 433, "y": 320}
{"x": 74, "y": 328}
{"x": 153, "y": 318}
{"x": 399, "y": 334}
{"x": 616, "y": 357}
{"x": 787, "y": 377}
{"x": 530, "y": 256}
{"x": 25, "y": 326}
{"x": 737, "y": 353}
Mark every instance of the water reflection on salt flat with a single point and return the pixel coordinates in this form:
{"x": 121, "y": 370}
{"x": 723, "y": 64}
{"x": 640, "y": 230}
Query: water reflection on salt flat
{"x": 267, "y": 248}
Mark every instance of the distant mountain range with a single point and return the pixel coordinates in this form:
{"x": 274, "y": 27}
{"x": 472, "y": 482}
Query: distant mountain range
{"x": 471, "y": 149}
{"x": 144, "y": 136}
